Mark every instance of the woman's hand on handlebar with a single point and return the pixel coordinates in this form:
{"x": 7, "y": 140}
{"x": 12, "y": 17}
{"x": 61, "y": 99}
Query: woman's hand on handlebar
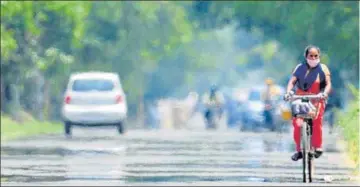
{"x": 323, "y": 95}
{"x": 288, "y": 95}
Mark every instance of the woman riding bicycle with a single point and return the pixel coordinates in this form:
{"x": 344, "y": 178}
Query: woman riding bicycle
{"x": 310, "y": 77}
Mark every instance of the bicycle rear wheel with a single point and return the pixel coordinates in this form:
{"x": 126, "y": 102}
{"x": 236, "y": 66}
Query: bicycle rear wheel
{"x": 304, "y": 141}
{"x": 305, "y": 164}
{"x": 310, "y": 166}
{"x": 311, "y": 158}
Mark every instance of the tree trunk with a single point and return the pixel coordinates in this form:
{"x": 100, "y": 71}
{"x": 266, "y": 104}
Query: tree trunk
{"x": 39, "y": 96}
{"x": 46, "y": 113}
{"x": 14, "y": 103}
{"x": 2, "y": 89}
{"x": 141, "y": 112}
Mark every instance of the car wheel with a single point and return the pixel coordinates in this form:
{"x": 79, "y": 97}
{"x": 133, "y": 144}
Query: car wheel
{"x": 120, "y": 127}
{"x": 67, "y": 129}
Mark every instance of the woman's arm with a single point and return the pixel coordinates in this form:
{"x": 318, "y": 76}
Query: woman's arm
{"x": 291, "y": 84}
{"x": 328, "y": 85}
{"x": 327, "y": 79}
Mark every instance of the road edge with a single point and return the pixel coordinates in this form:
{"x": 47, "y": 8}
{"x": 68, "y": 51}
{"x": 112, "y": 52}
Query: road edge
{"x": 341, "y": 144}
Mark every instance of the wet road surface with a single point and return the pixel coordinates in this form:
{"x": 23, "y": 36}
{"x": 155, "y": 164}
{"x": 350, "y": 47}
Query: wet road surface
{"x": 99, "y": 156}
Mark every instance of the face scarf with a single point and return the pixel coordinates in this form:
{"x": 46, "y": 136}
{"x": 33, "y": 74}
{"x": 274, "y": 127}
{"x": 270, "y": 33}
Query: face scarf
{"x": 313, "y": 63}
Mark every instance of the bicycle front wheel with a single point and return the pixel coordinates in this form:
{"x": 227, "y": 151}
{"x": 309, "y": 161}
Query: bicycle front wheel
{"x": 305, "y": 142}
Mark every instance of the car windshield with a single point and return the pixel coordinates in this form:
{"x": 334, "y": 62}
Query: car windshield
{"x": 92, "y": 85}
{"x": 254, "y": 96}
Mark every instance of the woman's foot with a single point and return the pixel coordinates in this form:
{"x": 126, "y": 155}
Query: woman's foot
{"x": 297, "y": 156}
{"x": 318, "y": 152}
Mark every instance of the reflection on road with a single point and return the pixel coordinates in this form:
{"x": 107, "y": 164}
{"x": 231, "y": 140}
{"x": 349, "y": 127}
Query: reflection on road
{"x": 147, "y": 157}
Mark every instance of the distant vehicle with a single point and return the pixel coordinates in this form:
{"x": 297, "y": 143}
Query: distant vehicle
{"x": 253, "y": 111}
{"x": 94, "y": 99}
{"x": 234, "y": 106}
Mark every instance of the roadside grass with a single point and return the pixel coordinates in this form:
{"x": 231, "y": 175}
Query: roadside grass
{"x": 11, "y": 129}
{"x": 349, "y": 123}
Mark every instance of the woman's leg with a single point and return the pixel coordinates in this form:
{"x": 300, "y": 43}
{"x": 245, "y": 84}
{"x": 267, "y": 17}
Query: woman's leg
{"x": 317, "y": 130}
{"x": 297, "y": 133}
{"x": 297, "y": 138}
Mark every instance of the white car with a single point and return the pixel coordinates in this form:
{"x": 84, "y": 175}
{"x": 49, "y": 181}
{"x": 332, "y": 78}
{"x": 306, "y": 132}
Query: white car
{"x": 92, "y": 99}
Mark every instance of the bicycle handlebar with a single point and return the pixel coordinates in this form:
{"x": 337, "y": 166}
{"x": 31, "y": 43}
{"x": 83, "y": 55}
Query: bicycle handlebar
{"x": 294, "y": 97}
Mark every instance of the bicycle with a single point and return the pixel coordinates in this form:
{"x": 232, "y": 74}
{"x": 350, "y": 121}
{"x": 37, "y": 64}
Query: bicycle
{"x": 308, "y": 150}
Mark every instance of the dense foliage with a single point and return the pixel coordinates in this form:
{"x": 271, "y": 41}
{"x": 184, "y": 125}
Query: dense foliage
{"x": 164, "y": 48}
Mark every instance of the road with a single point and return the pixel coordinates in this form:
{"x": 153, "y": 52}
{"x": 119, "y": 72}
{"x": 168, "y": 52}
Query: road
{"x": 99, "y": 156}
